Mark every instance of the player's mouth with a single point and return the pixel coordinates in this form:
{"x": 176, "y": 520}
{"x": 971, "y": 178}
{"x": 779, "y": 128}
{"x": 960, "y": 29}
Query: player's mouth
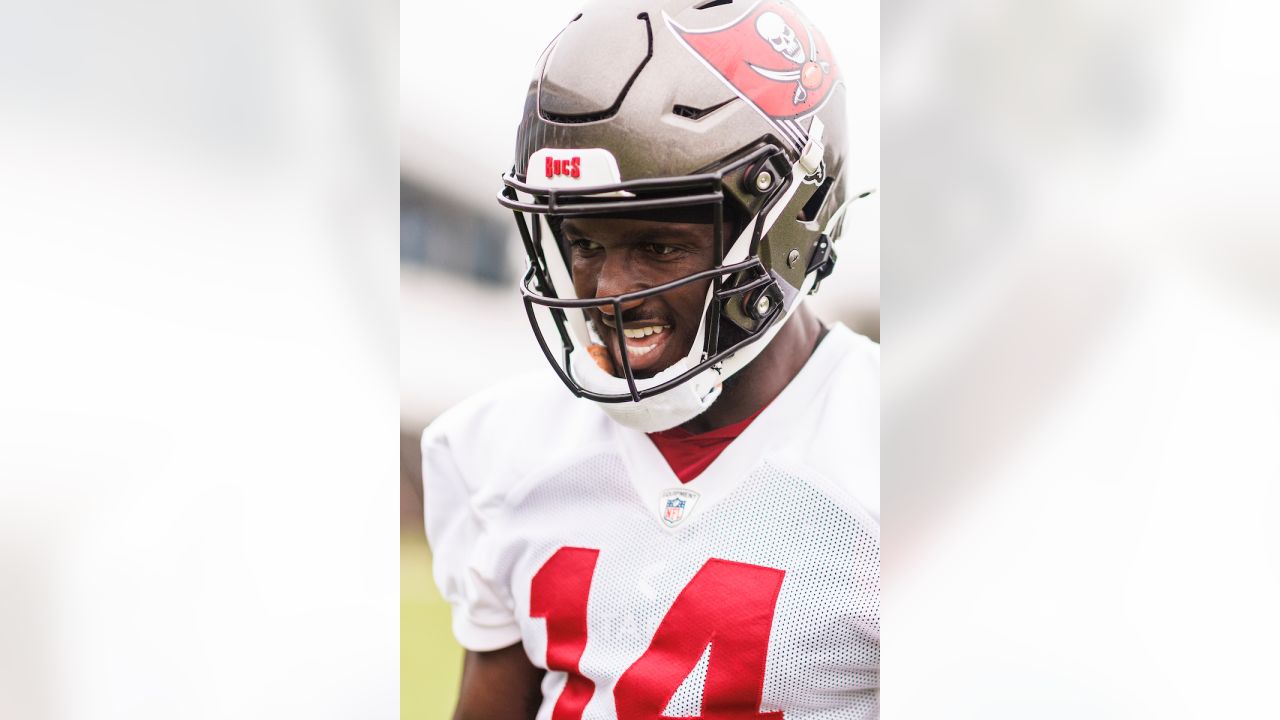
{"x": 645, "y": 341}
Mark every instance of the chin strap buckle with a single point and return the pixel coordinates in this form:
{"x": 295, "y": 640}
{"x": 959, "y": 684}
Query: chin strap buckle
{"x": 822, "y": 262}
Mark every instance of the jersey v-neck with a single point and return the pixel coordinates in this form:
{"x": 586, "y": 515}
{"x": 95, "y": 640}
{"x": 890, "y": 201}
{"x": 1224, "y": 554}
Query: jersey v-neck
{"x": 653, "y": 478}
{"x": 688, "y": 454}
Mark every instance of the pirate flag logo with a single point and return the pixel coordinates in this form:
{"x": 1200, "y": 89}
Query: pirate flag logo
{"x": 771, "y": 56}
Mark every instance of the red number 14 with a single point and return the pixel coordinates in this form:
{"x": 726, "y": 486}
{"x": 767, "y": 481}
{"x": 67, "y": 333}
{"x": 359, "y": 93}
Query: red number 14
{"x": 727, "y": 604}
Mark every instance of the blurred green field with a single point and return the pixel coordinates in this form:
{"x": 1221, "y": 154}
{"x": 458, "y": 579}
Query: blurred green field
{"x": 430, "y": 659}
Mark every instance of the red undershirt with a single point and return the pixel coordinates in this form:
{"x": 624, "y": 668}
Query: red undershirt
{"x": 689, "y": 454}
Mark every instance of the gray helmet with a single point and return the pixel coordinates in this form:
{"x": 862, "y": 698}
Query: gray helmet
{"x": 653, "y": 107}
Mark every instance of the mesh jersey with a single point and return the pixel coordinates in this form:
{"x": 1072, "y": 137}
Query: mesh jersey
{"x": 753, "y": 591}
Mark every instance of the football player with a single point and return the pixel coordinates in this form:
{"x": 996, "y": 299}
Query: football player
{"x": 692, "y": 528}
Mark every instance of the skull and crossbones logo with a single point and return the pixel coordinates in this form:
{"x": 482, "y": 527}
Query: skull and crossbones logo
{"x": 784, "y": 40}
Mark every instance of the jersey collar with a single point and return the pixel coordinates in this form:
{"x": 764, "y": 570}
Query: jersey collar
{"x": 770, "y": 432}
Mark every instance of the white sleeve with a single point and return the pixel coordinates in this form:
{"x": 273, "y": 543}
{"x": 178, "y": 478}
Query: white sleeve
{"x": 483, "y": 615}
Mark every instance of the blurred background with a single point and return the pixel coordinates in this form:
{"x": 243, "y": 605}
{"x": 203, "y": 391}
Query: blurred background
{"x": 1081, "y": 403}
{"x": 462, "y": 325}
{"x": 198, "y": 386}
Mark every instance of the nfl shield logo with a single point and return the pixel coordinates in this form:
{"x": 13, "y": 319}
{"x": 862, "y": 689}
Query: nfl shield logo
{"x": 676, "y": 505}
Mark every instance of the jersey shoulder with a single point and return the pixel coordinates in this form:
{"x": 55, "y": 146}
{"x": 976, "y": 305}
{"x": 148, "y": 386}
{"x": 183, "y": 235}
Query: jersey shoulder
{"x": 844, "y": 430}
{"x": 501, "y": 433}
{"x": 855, "y": 383}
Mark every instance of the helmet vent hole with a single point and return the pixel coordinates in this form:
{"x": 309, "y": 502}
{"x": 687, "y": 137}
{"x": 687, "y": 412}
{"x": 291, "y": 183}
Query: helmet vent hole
{"x": 693, "y": 113}
{"x": 813, "y": 207}
{"x": 714, "y": 3}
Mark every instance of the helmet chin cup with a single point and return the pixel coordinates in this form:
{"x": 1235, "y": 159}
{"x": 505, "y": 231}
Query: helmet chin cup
{"x": 653, "y": 412}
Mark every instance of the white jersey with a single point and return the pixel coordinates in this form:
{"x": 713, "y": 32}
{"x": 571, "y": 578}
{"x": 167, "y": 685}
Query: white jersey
{"x": 752, "y": 591}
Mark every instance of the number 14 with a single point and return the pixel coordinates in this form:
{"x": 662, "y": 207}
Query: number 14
{"x": 728, "y": 604}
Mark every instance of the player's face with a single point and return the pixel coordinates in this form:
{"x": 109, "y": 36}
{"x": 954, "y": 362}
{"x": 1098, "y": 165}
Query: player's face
{"x": 609, "y": 256}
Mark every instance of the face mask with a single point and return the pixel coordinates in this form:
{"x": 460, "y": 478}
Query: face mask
{"x": 690, "y": 399}
{"x": 663, "y": 411}
{"x": 681, "y": 403}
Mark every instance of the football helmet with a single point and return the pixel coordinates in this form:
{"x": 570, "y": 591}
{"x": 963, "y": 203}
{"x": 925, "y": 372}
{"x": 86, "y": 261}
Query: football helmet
{"x": 661, "y": 108}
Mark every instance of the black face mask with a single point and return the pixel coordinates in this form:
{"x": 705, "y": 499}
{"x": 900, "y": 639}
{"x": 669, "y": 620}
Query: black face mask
{"x": 697, "y": 198}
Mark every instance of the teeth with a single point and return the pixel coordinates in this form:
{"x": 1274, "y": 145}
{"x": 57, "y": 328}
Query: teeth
{"x": 639, "y": 350}
{"x": 637, "y": 333}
